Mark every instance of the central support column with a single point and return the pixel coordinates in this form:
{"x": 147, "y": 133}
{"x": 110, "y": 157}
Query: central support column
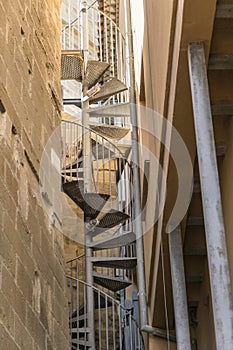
{"x": 211, "y": 198}
{"x": 87, "y": 174}
{"x": 179, "y": 290}
{"x": 137, "y": 220}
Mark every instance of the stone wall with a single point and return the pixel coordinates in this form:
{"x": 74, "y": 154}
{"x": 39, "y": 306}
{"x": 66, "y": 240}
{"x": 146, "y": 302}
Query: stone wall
{"x": 33, "y": 304}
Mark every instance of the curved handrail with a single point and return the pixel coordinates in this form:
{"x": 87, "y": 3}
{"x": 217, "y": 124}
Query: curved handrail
{"x": 75, "y": 259}
{"x": 105, "y": 295}
{"x": 120, "y": 315}
{"x": 104, "y": 138}
{"x": 110, "y": 20}
{"x": 99, "y": 11}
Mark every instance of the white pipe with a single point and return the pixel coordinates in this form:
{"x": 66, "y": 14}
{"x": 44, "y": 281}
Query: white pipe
{"x": 211, "y": 198}
{"x": 179, "y": 290}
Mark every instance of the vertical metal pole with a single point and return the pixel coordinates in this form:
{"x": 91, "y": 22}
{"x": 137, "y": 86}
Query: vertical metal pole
{"x": 85, "y": 104}
{"x": 87, "y": 172}
{"x": 179, "y": 290}
{"x": 211, "y": 198}
{"x": 136, "y": 177}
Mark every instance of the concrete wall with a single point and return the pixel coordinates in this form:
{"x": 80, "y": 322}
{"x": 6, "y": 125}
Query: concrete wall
{"x": 33, "y": 305}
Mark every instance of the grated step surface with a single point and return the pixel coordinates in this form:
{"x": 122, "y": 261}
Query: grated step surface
{"x": 114, "y": 284}
{"x": 109, "y": 220}
{"x": 90, "y": 203}
{"x": 95, "y": 70}
{"x": 110, "y": 131}
{"x": 114, "y": 241}
{"x": 112, "y": 87}
{"x": 112, "y": 262}
{"x": 71, "y": 67}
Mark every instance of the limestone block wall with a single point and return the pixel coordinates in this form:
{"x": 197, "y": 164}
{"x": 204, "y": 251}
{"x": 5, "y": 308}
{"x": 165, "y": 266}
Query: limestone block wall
{"x": 33, "y": 303}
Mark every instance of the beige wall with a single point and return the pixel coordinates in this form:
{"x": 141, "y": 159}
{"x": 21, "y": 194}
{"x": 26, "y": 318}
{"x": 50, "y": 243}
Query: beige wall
{"x": 33, "y": 306}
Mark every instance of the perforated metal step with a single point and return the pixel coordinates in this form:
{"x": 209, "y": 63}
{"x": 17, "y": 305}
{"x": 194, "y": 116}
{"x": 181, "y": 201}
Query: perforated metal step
{"x": 71, "y": 66}
{"x": 114, "y": 241}
{"x": 90, "y": 203}
{"x": 112, "y": 283}
{"x": 112, "y": 218}
{"x": 112, "y": 87}
{"x": 110, "y": 131}
{"x": 107, "y": 221}
{"x": 113, "y": 262}
{"x": 95, "y": 70}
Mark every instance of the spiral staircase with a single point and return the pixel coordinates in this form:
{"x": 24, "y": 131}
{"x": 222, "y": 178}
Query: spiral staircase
{"x": 96, "y": 177}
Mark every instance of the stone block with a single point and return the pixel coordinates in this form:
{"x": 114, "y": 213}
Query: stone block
{"x": 6, "y": 340}
{"x": 7, "y": 315}
{"x": 22, "y": 336}
{"x": 12, "y": 293}
{"x": 35, "y": 327}
{"x": 24, "y": 282}
{"x": 7, "y": 253}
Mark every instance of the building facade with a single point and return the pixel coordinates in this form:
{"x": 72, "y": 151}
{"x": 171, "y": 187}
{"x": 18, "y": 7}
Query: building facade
{"x": 34, "y": 309}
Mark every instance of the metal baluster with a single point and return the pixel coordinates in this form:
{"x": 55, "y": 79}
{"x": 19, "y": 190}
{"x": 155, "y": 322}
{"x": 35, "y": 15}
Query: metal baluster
{"x": 100, "y": 39}
{"x": 99, "y": 319}
{"x": 103, "y": 165}
{"x": 71, "y": 306}
{"x": 106, "y": 320}
{"x": 130, "y": 332}
{"x": 106, "y": 38}
{"x": 77, "y": 299}
{"x": 69, "y": 153}
{"x": 85, "y": 307}
{"x": 69, "y": 24}
{"x": 120, "y": 328}
{"x": 109, "y": 175}
{"x": 116, "y": 51}
{"x": 112, "y": 48}
{"x": 113, "y": 326}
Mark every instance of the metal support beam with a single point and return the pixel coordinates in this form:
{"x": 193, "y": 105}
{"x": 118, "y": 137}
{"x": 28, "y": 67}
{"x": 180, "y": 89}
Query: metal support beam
{"x": 211, "y": 198}
{"x": 179, "y": 290}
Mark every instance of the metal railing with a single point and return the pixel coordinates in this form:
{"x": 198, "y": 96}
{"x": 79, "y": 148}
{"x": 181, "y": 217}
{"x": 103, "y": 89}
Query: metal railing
{"x": 110, "y": 170}
{"x": 115, "y": 327}
{"x": 106, "y": 43}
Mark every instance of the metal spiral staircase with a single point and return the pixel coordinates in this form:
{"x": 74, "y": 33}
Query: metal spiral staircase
{"x": 96, "y": 178}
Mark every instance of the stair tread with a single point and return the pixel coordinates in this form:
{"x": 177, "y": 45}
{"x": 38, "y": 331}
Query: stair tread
{"x": 110, "y": 131}
{"x": 110, "y": 219}
{"x": 112, "y": 87}
{"x": 90, "y": 203}
{"x": 115, "y": 262}
{"x": 80, "y": 330}
{"x": 114, "y": 241}
{"x": 112, "y": 283}
{"x": 115, "y": 110}
{"x": 71, "y": 67}
{"x": 81, "y": 342}
{"x": 95, "y": 70}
